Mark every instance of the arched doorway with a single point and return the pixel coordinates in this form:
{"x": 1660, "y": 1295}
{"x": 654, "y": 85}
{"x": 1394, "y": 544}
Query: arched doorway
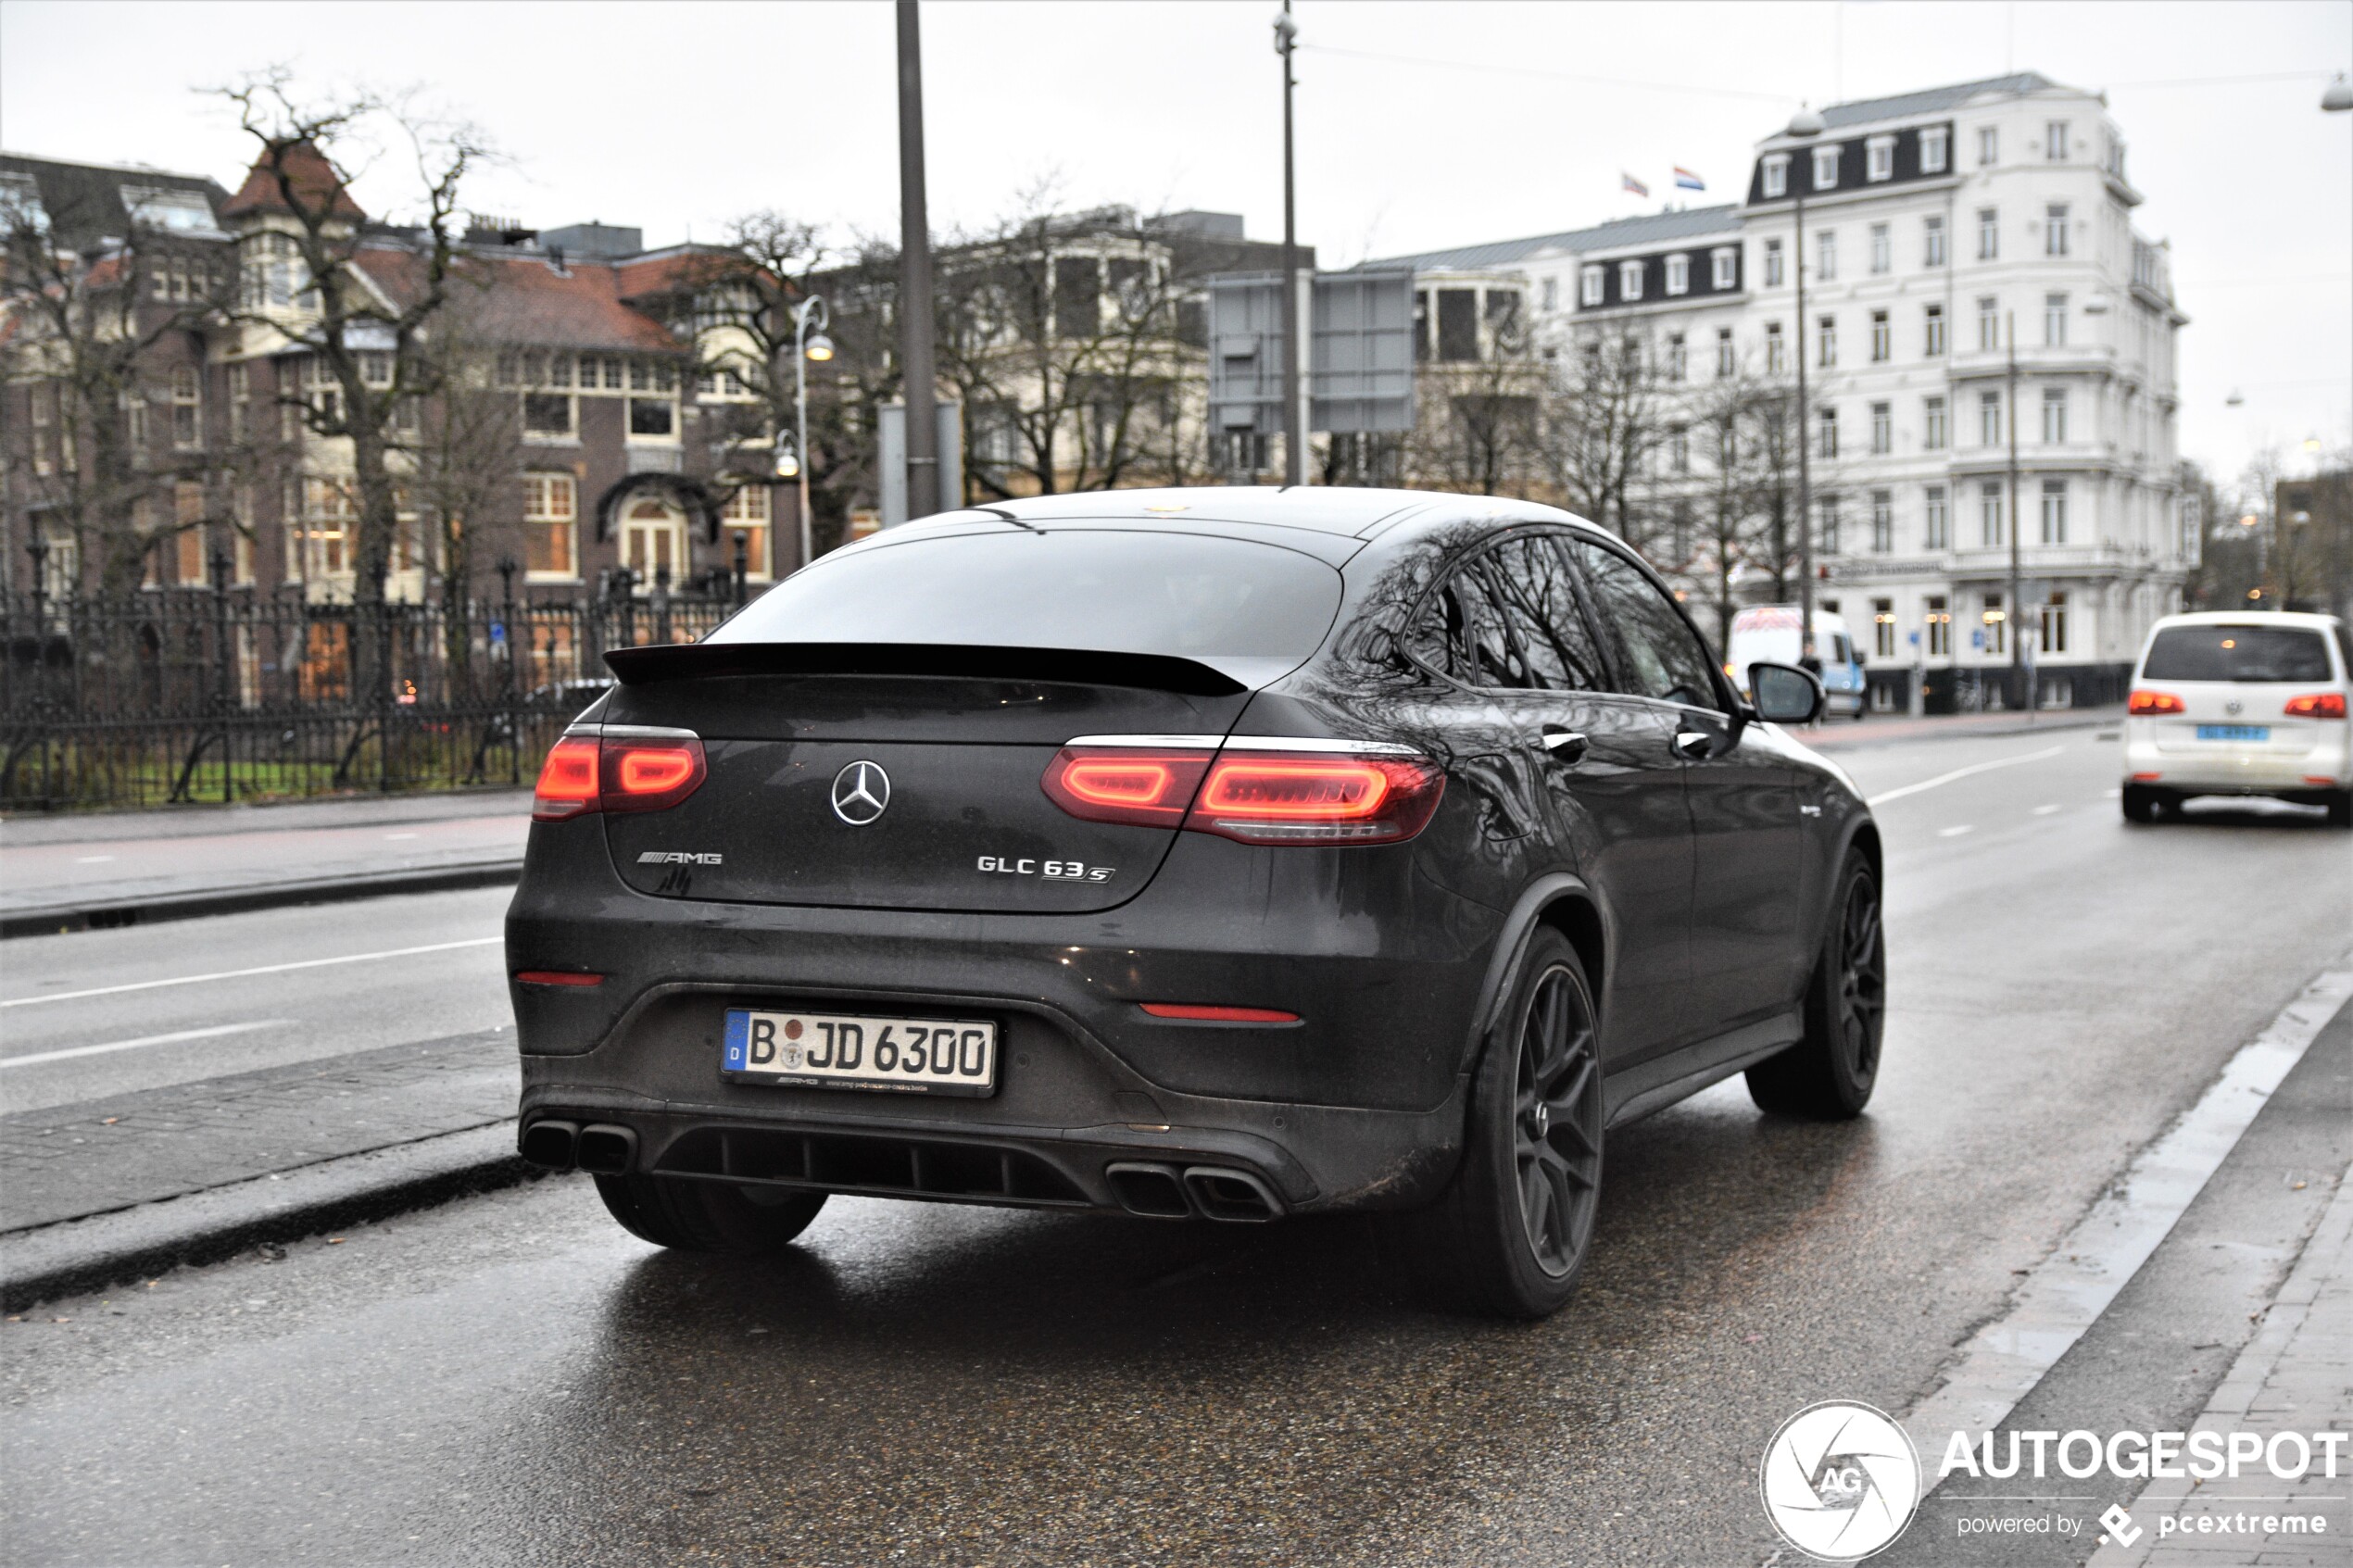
{"x": 653, "y": 540}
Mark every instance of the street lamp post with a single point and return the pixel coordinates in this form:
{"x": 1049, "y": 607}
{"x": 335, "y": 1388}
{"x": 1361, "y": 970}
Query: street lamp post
{"x": 1294, "y": 408}
{"x": 810, "y": 312}
{"x": 2017, "y": 605}
{"x": 1805, "y": 125}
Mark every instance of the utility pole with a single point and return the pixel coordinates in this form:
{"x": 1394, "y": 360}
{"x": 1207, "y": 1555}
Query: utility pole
{"x": 915, "y": 363}
{"x": 1294, "y": 333}
{"x": 2013, "y": 617}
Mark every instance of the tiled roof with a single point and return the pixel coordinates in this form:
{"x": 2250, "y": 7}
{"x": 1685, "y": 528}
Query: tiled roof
{"x": 84, "y": 201}
{"x": 670, "y": 271}
{"x": 525, "y": 301}
{"x": 305, "y": 168}
{"x": 1658, "y": 226}
{"x": 1930, "y": 99}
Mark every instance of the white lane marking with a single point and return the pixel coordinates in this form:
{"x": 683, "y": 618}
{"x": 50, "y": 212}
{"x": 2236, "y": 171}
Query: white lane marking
{"x": 92, "y": 860}
{"x": 400, "y": 836}
{"x": 241, "y": 974}
{"x": 1962, "y": 773}
{"x": 2045, "y": 810}
{"x": 1956, "y": 832}
{"x": 172, "y": 1039}
{"x": 2065, "y": 1295}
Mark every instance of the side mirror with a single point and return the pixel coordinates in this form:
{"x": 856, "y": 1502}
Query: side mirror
{"x": 1784, "y": 694}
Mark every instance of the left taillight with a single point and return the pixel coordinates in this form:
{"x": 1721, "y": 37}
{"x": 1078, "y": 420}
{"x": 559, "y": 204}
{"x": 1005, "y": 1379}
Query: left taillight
{"x": 1255, "y": 797}
{"x": 584, "y": 773}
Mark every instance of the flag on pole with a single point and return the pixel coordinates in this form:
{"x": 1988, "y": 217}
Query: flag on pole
{"x": 1630, "y": 183}
{"x": 1686, "y": 180}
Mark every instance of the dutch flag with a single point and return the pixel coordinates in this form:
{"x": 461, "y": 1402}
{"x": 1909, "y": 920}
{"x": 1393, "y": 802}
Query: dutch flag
{"x": 1631, "y": 183}
{"x": 1686, "y": 180}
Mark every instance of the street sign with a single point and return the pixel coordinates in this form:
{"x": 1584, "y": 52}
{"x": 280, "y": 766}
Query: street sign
{"x": 1360, "y": 359}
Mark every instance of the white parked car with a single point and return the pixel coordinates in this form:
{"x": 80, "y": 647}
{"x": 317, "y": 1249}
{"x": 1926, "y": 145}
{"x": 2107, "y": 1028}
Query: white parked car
{"x": 2241, "y": 704}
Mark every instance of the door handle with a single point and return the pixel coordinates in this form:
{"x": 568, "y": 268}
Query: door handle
{"x": 1693, "y": 745}
{"x": 1564, "y": 745}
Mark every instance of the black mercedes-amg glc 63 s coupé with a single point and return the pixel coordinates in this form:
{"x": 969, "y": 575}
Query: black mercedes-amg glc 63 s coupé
{"x": 1217, "y": 854}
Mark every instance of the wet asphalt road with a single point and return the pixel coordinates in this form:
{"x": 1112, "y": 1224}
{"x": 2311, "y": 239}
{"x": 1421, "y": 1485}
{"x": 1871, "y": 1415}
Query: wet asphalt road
{"x": 513, "y": 1379}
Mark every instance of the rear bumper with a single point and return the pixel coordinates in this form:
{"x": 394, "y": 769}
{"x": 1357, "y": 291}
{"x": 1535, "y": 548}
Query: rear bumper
{"x": 1358, "y": 1105}
{"x": 2224, "y": 769}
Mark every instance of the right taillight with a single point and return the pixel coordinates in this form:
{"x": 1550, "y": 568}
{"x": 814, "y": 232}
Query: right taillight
{"x": 617, "y": 773}
{"x": 1255, "y": 797}
{"x": 2146, "y": 702}
{"x": 2318, "y": 705}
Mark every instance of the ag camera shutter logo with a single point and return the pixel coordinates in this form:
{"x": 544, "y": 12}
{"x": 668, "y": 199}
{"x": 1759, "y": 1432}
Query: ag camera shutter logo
{"x": 1840, "y": 1480}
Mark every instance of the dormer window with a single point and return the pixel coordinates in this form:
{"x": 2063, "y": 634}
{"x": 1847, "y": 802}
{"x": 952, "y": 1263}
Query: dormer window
{"x": 1880, "y": 158}
{"x": 1936, "y": 149}
{"x": 1590, "y": 285}
{"x": 1776, "y": 175}
{"x": 1630, "y": 281}
{"x": 1727, "y": 263}
{"x": 1826, "y": 168}
{"x": 1678, "y": 274}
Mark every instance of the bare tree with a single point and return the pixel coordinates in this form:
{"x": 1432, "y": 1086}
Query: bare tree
{"x": 1603, "y": 419}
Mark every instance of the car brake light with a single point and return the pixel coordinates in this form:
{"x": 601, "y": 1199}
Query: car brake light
{"x": 2319, "y": 704}
{"x": 1145, "y": 788}
{"x": 2153, "y": 702}
{"x": 1203, "y": 1012}
{"x": 1255, "y": 797}
{"x": 617, "y": 773}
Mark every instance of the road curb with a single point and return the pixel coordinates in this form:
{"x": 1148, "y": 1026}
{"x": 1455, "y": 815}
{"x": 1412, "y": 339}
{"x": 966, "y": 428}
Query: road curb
{"x": 112, "y": 914}
{"x": 1861, "y": 738}
{"x": 73, "y": 1256}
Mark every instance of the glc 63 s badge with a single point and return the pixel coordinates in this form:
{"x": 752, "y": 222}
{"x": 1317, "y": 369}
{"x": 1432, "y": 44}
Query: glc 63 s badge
{"x": 1053, "y": 871}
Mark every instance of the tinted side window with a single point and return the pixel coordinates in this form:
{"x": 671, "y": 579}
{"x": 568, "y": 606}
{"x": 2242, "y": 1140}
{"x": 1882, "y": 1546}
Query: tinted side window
{"x": 1664, "y": 658}
{"x": 2237, "y": 653}
{"x": 1509, "y": 618}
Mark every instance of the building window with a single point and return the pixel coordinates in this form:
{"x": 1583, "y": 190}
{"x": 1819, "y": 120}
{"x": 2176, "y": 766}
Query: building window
{"x": 1726, "y": 261}
{"x": 1989, "y": 234}
{"x": 1989, "y": 145}
{"x": 1825, "y": 341}
{"x": 1936, "y": 527}
{"x": 1727, "y": 362}
{"x": 1679, "y": 449}
{"x": 1882, "y": 248}
{"x": 188, "y": 534}
{"x": 2055, "y": 512}
{"x": 1934, "y": 434}
{"x": 1881, "y": 338}
{"x": 2054, "y": 141}
{"x": 1772, "y": 263}
{"x": 1552, "y": 294}
{"x": 2055, "y": 414}
{"x": 1989, "y": 324}
{"x": 330, "y": 512}
{"x": 1882, "y": 527}
{"x": 547, "y": 416}
{"x": 550, "y": 526}
{"x": 1775, "y": 175}
{"x": 1630, "y": 281}
{"x": 1996, "y": 623}
{"x": 652, "y": 419}
{"x": 1677, "y": 358}
{"x": 1989, "y": 514}
{"x": 1939, "y": 628}
{"x": 1932, "y": 242}
{"x": 1678, "y": 273}
{"x": 1989, "y": 419}
{"x": 1828, "y": 530}
{"x": 744, "y": 520}
{"x": 2054, "y": 320}
{"x": 1932, "y": 337}
{"x": 375, "y": 367}
{"x": 1880, "y": 158}
{"x": 2054, "y": 624}
{"x": 1826, "y": 255}
{"x": 1826, "y": 439}
{"x": 1936, "y": 144}
{"x": 187, "y": 407}
{"x": 240, "y": 400}
{"x": 1882, "y": 430}
{"x": 1826, "y": 168}
{"x": 1883, "y": 628}
{"x": 653, "y": 542}
{"x": 2055, "y": 229}
{"x": 1591, "y": 284}
{"x": 1776, "y": 355}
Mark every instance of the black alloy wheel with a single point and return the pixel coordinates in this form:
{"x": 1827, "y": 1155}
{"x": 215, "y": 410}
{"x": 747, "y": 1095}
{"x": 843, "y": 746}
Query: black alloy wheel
{"x": 1511, "y": 1234}
{"x": 1829, "y": 1074}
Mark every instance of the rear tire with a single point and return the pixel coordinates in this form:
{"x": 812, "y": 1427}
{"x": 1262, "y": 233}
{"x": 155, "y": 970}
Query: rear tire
{"x": 2340, "y": 808}
{"x": 1829, "y": 1074}
{"x": 698, "y": 1216}
{"x": 1510, "y": 1235}
{"x": 2141, "y": 804}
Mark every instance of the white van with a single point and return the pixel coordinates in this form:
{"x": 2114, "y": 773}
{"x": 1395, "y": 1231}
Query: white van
{"x": 1770, "y": 632}
{"x": 2232, "y": 703}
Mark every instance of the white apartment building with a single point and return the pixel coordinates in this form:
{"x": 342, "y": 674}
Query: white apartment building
{"x": 1944, "y": 231}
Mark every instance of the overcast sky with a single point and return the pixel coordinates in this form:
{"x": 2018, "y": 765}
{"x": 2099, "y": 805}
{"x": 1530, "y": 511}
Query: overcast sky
{"x": 1482, "y": 122}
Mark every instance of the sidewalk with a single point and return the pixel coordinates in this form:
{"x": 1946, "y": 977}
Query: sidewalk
{"x": 69, "y": 873}
{"x": 1845, "y": 734}
{"x": 103, "y": 1189}
{"x": 2296, "y": 1376}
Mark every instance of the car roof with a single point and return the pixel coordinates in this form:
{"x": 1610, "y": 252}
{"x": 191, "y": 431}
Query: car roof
{"x": 2247, "y": 618}
{"x": 1346, "y": 511}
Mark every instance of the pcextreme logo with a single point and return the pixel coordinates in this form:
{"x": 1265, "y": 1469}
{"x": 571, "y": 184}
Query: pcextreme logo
{"x": 1840, "y": 1480}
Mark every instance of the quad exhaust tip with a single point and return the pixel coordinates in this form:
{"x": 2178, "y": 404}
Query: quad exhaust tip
{"x": 550, "y": 1143}
{"x": 1165, "y": 1192}
{"x": 604, "y": 1150}
{"x": 1156, "y": 1192}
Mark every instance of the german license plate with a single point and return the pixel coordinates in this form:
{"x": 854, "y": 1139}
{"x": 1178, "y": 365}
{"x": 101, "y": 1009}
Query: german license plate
{"x": 829, "y": 1050}
{"x": 2234, "y": 732}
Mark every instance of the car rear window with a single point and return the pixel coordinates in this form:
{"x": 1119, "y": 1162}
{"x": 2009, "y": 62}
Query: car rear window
{"x": 1185, "y": 595}
{"x": 2237, "y": 653}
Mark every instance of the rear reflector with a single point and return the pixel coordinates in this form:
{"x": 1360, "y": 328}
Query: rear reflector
{"x": 2319, "y": 704}
{"x": 1256, "y": 796}
{"x": 2146, "y": 778}
{"x": 557, "y": 977}
{"x": 1198, "y": 1012}
{"x": 2153, "y": 702}
{"x": 617, "y": 773}
{"x": 2317, "y": 778}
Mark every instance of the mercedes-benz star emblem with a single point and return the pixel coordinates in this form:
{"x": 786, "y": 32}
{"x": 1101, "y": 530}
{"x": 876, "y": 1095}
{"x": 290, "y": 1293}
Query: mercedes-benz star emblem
{"x": 861, "y": 791}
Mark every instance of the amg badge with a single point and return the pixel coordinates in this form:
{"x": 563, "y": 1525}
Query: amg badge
{"x": 677, "y": 858}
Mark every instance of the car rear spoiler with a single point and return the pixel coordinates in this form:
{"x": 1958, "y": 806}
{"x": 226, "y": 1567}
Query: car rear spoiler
{"x": 701, "y": 662}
